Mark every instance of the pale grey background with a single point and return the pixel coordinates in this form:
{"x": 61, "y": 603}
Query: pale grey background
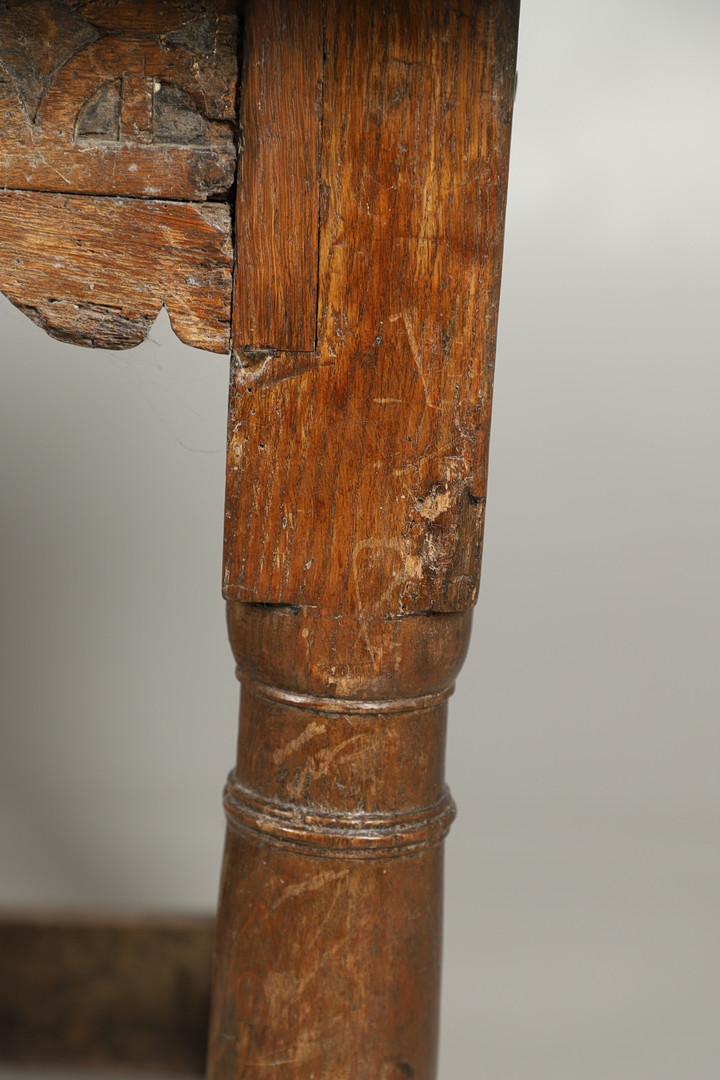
{"x": 583, "y": 879}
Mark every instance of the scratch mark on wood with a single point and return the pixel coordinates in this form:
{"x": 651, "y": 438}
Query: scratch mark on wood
{"x": 313, "y": 729}
{"x": 311, "y": 885}
{"x": 415, "y": 351}
{"x": 319, "y": 766}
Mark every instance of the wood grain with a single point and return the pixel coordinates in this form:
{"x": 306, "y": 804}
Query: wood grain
{"x": 279, "y": 176}
{"x": 111, "y": 97}
{"x": 329, "y": 926}
{"x": 359, "y": 473}
{"x": 356, "y": 484}
{"x": 105, "y": 992}
{"x": 96, "y": 271}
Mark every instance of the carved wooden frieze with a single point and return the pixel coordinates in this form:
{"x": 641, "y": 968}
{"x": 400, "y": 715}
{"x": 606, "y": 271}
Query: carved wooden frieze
{"x": 109, "y": 97}
{"x": 96, "y": 271}
{"x": 117, "y": 124}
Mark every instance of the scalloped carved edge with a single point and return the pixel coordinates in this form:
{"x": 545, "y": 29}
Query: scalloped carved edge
{"x": 96, "y": 271}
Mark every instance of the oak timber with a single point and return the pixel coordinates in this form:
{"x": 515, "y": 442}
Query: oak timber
{"x": 356, "y": 484}
{"x": 359, "y": 419}
{"x": 329, "y": 922}
{"x": 279, "y": 176}
{"x": 120, "y": 992}
{"x": 96, "y": 271}
{"x": 360, "y": 472}
{"x": 109, "y": 97}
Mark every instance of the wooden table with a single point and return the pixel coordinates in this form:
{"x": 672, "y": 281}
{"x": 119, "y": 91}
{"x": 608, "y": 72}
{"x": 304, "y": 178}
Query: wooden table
{"x": 337, "y": 226}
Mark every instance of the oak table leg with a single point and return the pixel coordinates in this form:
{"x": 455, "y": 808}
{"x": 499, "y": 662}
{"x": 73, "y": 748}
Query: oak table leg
{"x": 330, "y": 912}
{"x": 369, "y": 235}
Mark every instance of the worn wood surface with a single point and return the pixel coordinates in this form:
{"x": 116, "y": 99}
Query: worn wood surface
{"x": 105, "y": 992}
{"x": 96, "y": 271}
{"x": 357, "y": 452}
{"x": 279, "y": 176}
{"x": 355, "y": 495}
{"x": 329, "y": 926}
{"x": 111, "y": 97}
{"x": 360, "y": 472}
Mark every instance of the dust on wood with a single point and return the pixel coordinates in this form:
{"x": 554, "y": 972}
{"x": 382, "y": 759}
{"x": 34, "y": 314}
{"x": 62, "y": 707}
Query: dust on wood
{"x": 96, "y": 271}
{"x": 110, "y": 97}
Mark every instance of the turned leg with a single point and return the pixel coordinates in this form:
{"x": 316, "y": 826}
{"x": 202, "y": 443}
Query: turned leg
{"x": 330, "y": 914}
{"x": 369, "y": 234}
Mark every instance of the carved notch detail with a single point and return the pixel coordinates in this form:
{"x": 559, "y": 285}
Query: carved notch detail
{"x": 109, "y": 97}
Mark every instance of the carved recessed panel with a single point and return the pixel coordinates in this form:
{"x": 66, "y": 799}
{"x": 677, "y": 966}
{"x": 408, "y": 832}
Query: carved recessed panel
{"x": 99, "y": 118}
{"x": 118, "y": 98}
